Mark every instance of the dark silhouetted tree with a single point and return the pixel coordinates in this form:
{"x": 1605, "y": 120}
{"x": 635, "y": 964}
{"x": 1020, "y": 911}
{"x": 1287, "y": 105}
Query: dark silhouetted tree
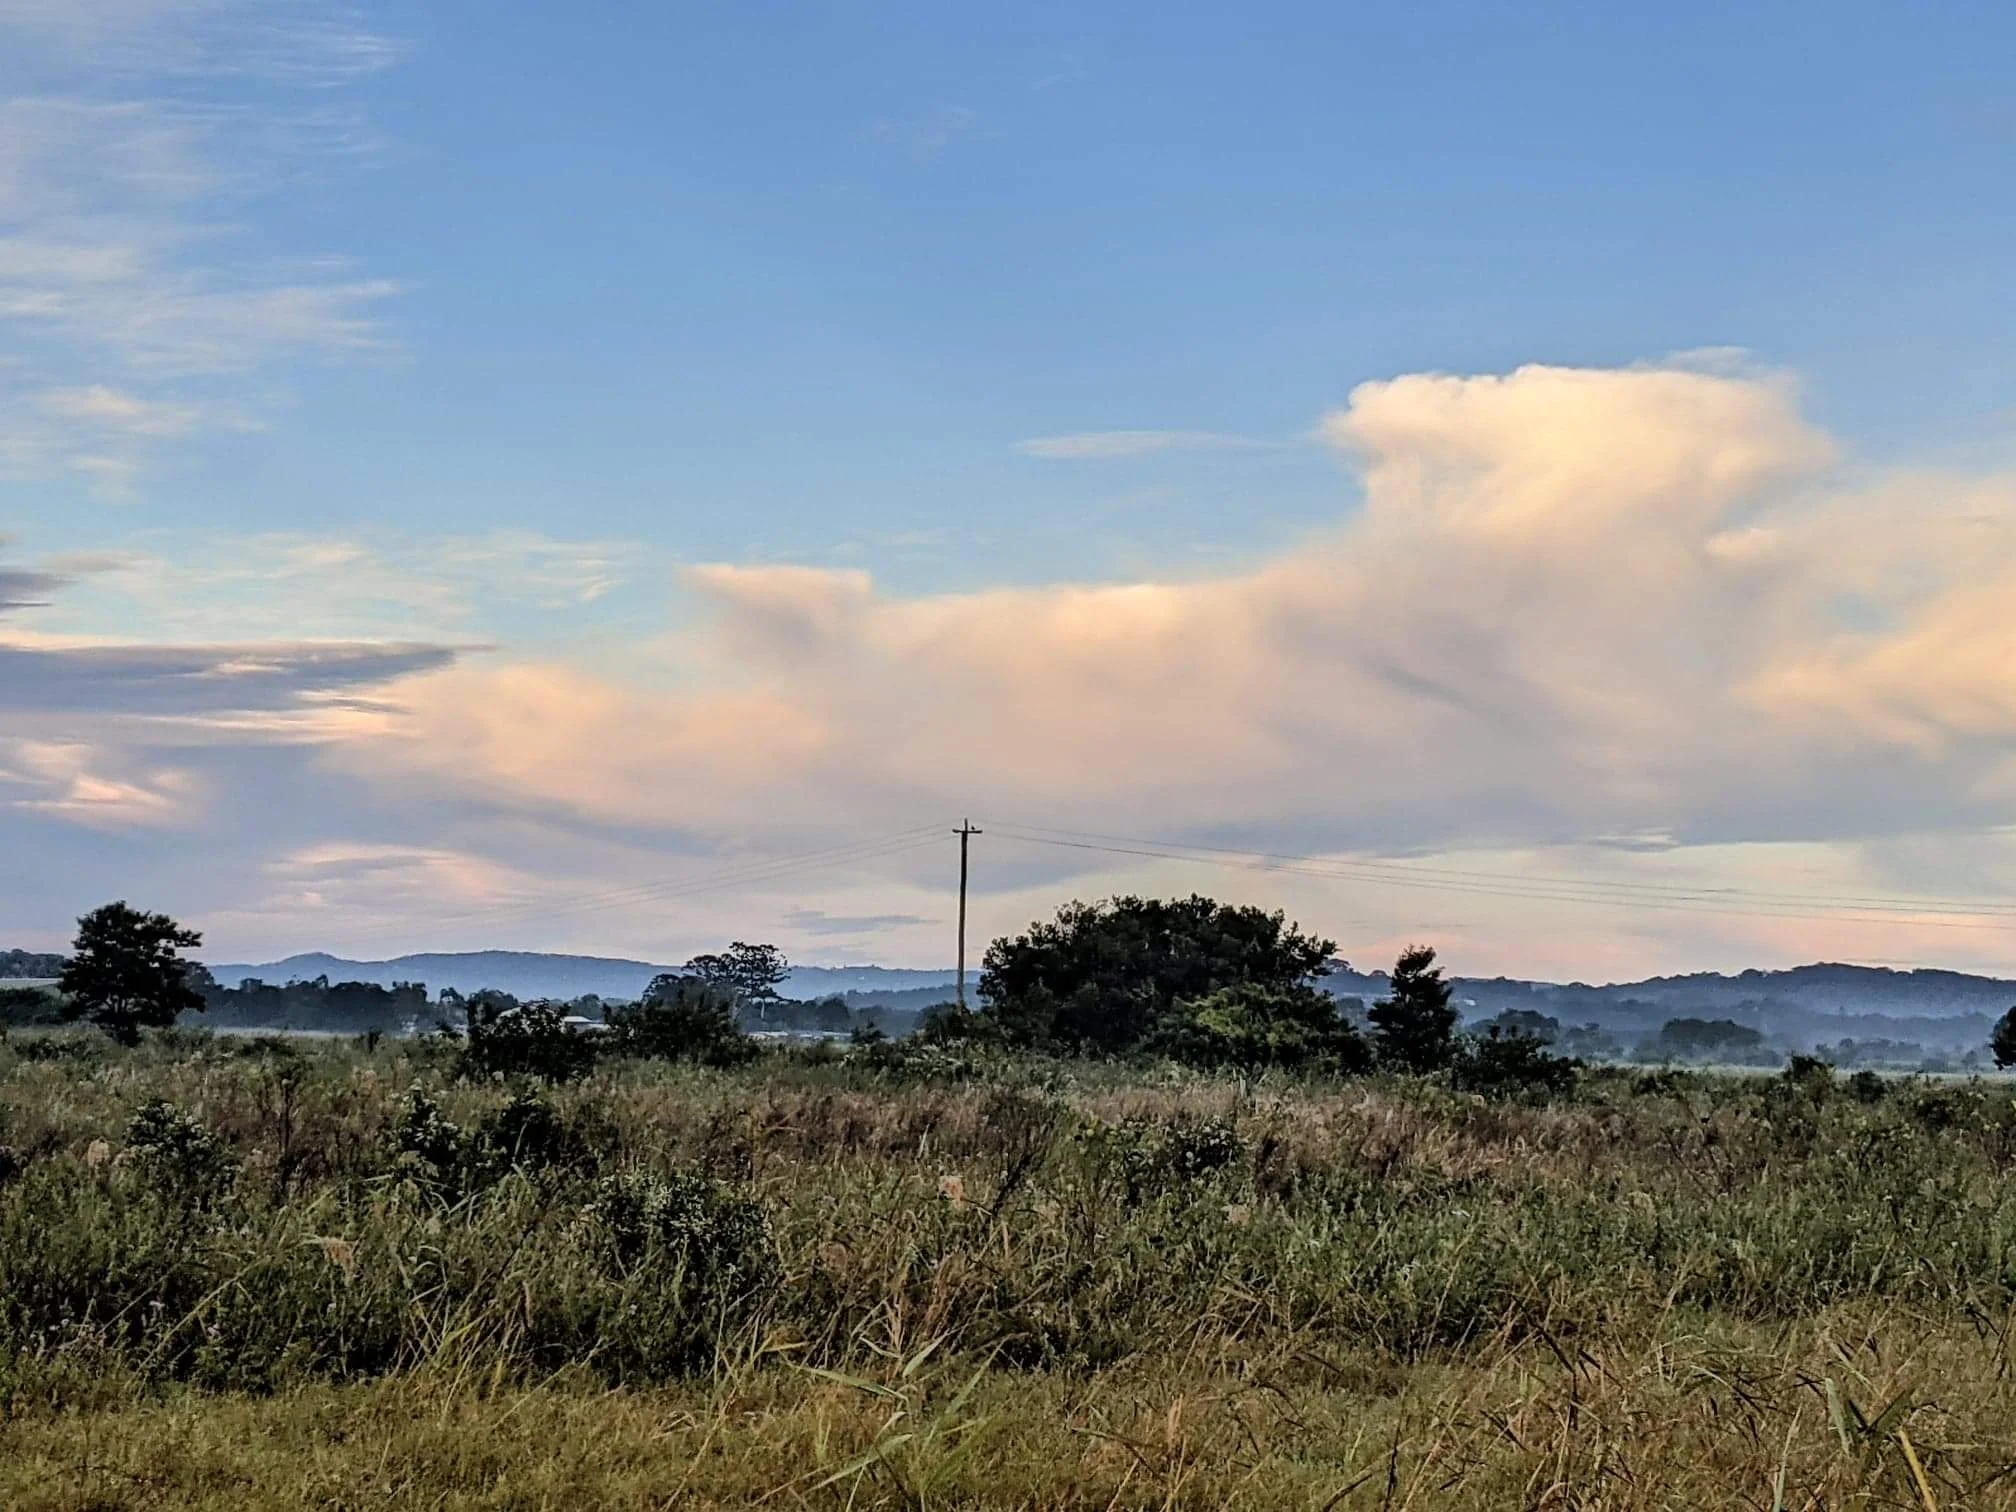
{"x": 127, "y": 972}
{"x": 1515, "y": 1064}
{"x": 1102, "y": 976}
{"x": 1252, "y": 1027}
{"x": 1696, "y": 1038}
{"x": 1415, "y": 1024}
{"x": 752, "y": 973}
{"x": 682, "y": 1018}
{"x": 521, "y": 1039}
{"x": 2003, "y": 1041}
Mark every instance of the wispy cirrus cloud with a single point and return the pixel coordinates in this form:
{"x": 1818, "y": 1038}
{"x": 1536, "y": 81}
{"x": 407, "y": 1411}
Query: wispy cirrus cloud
{"x": 134, "y": 137}
{"x": 816, "y": 921}
{"x": 1112, "y": 445}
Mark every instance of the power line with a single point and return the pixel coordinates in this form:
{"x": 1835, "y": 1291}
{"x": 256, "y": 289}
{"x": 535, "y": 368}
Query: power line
{"x": 747, "y": 874}
{"x": 1969, "y": 907}
{"x": 1556, "y": 890}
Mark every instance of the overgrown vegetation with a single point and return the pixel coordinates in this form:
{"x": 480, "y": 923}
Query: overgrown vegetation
{"x": 979, "y": 1279}
{"x": 1227, "y": 1248}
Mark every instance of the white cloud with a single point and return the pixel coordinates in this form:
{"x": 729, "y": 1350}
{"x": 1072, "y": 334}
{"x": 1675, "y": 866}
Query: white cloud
{"x": 377, "y": 585}
{"x": 1624, "y": 625}
{"x": 104, "y": 408}
{"x": 142, "y": 135}
{"x": 1576, "y": 605}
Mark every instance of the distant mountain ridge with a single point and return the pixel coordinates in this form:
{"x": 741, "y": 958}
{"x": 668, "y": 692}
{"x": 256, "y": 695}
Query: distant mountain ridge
{"x": 1822, "y": 989}
{"x": 530, "y": 973}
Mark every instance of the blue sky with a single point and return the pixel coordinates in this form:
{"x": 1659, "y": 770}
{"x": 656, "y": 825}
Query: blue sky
{"x": 480, "y": 326}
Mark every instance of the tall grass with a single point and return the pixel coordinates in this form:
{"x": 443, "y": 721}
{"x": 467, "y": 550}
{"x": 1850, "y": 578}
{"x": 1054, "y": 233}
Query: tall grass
{"x": 1030, "y": 1283}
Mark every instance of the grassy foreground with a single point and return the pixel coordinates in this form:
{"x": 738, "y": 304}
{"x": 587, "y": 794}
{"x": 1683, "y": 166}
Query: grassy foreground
{"x": 263, "y": 1275}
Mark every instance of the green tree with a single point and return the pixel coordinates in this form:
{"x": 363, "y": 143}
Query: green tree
{"x": 1696, "y": 1038}
{"x": 682, "y": 1018}
{"x": 1254, "y": 1027}
{"x": 127, "y": 972}
{"x": 752, "y": 973}
{"x": 2003, "y": 1040}
{"x": 1416, "y": 1023}
{"x": 1498, "y": 1063}
{"x": 520, "y": 1039}
{"x": 1101, "y": 977}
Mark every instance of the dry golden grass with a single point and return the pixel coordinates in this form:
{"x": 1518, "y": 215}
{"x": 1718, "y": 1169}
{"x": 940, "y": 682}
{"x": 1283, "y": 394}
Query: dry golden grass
{"x": 1748, "y": 1418}
{"x": 1058, "y": 1286}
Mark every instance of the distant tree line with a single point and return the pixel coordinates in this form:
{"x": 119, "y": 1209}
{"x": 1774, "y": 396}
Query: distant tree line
{"x": 31, "y": 964}
{"x": 337, "y": 1007}
{"x": 1208, "y": 984}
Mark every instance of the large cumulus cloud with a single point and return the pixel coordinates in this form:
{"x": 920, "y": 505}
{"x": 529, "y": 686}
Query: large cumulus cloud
{"x": 1572, "y": 603}
{"x": 1623, "y": 624}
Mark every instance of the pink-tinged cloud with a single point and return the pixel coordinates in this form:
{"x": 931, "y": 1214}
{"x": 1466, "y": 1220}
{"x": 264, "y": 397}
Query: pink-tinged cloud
{"x": 1573, "y": 603}
{"x": 1569, "y": 606}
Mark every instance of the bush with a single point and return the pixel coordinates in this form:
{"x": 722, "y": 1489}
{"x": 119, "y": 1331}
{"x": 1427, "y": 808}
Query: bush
{"x": 1102, "y": 976}
{"x": 1497, "y": 1064}
{"x": 1253, "y": 1027}
{"x": 910, "y": 1058}
{"x": 2003, "y": 1041}
{"x": 682, "y": 1018}
{"x": 1154, "y": 1156}
{"x": 1810, "y": 1074}
{"x": 509, "y": 1038}
{"x": 1868, "y": 1087}
{"x": 717, "y": 1236}
{"x": 952, "y": 1024}
{"x": 426, "y": 1142}
{"x": 528, "y": 1134}
{"x": 176, "y": 1155}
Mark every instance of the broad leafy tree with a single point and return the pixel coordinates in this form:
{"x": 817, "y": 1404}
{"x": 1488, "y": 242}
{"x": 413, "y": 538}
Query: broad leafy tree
{"x": 1103, "y": 977}
{"x": 753, "y": 973}
{"x": 1415, "y": 1023}
{"x": 682, "y": 1018}
{"x": 2003, "y": 1041}
{"x": 1696, "y": 1038}
{"x": 127, "y": 971}
{"x": 1252, "y": 1027}
{"x": 507, "y": 1037}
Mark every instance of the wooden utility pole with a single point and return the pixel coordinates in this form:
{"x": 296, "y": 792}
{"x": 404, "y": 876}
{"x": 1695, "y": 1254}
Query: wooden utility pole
{"x": 965, "y": 832}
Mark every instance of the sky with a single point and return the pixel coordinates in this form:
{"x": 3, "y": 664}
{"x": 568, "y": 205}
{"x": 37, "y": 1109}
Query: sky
{"x": 1539, "y": 480}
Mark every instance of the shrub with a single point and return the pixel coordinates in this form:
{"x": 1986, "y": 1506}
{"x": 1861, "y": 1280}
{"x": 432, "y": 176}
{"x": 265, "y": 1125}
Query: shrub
{"x": 1810, "y": 1074}
{"x": 717, "y": 1236}
{"x": 177, "y": 1155}
{"x": 1155, "y": 1156}
{"x": 910, "y": 1058}
{"x": 522, "y": 1039}
{"x": 953, "y": 1024}
{"x": 682, "y": 1018}
{"x": 2003, "y": 1041}
{"x": 1867, "y": 1087}
{"x": 1497, "y": 1064}
{"x": 527, "y": 1133}
{"x": 1101, "y": 976}
{"x": 424, "y": 1138}
{"x": 1253, "y": 1027}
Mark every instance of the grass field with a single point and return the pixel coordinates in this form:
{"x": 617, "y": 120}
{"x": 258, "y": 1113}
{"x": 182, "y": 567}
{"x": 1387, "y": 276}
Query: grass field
{"x": 261, "y": 1274}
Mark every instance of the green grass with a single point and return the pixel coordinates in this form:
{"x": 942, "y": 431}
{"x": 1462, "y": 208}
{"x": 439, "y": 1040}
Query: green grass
{"x": 346, "y": 1279}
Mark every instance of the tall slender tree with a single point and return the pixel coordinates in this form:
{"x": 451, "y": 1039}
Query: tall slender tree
{"x": 1416, "y": 1023}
